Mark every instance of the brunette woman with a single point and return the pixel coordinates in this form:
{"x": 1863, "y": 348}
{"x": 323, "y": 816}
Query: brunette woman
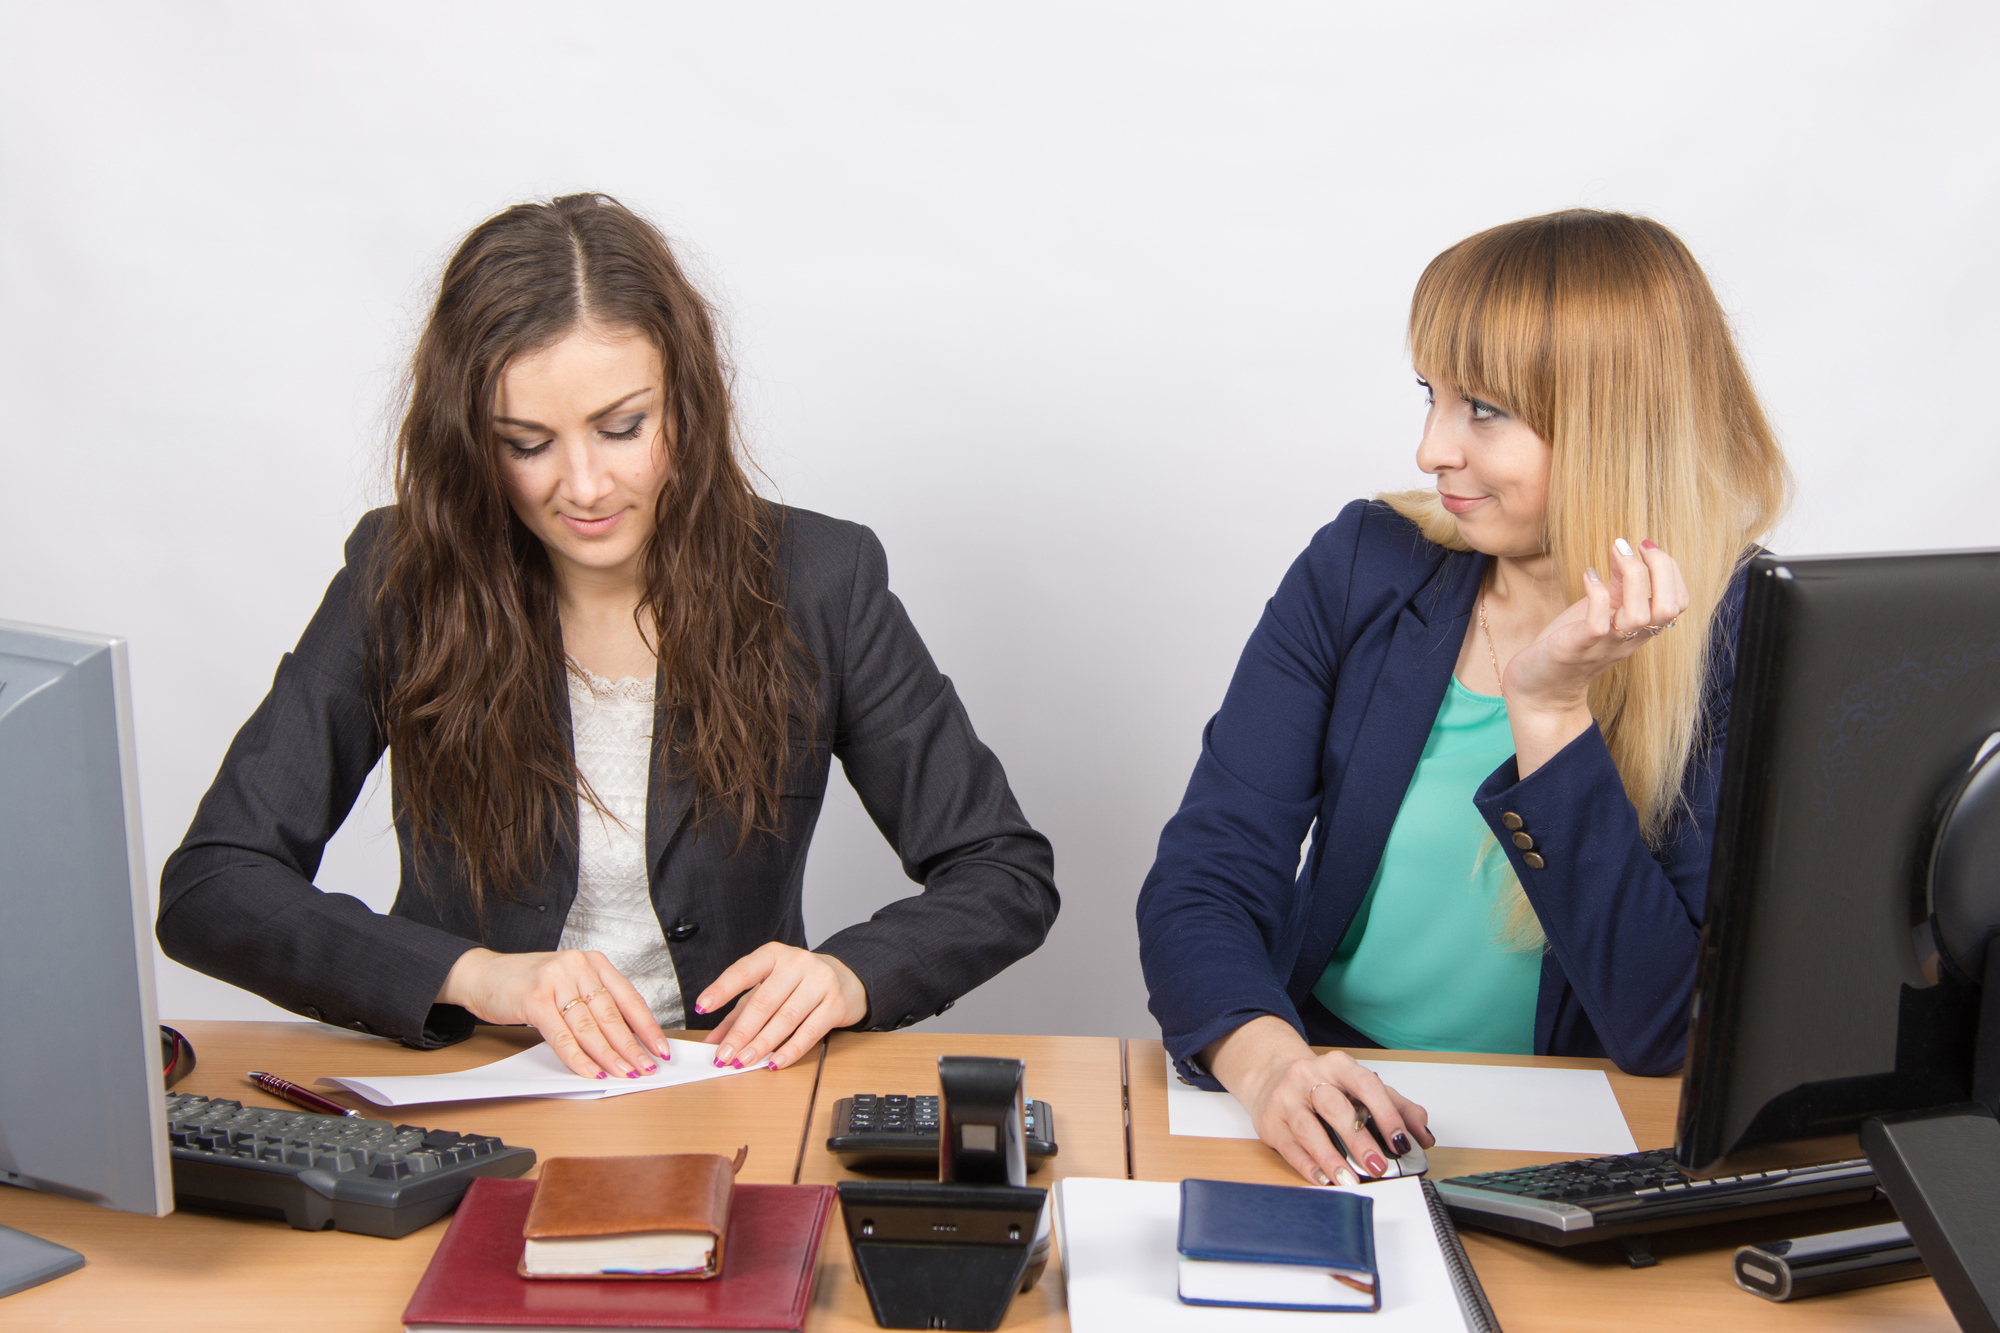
{"x": 611, "y": 679}
{"x": 1496, "y": 708}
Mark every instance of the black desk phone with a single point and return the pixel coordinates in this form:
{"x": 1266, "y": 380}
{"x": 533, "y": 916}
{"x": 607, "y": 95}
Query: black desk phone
{"x": 951, "y": 1251}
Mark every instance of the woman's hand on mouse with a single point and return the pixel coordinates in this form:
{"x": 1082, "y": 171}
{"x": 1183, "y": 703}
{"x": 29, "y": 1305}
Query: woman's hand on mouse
{"x": 1547, "y": 684}
{"x": 795, "y": 997}
{"x": 1288, "y": 1089}
{"x": 590, "y": 1015}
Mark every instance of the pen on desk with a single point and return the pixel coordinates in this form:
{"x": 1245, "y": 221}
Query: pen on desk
{"x": 296, "y": 1095}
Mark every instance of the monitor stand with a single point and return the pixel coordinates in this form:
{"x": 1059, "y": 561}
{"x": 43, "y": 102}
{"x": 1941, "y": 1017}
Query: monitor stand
{"x": 1941, "y": 1169}
{"x": 28, "y": 1261}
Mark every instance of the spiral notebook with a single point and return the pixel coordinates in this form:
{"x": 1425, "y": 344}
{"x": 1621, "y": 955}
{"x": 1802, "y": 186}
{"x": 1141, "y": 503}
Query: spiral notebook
{"x": 1121, "y": 1264}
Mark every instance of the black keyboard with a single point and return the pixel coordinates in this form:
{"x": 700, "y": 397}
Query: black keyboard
{"x": 321, "y": 1171}
{"x": 877, "y": 1131}
{"x": 1599, "y": 1198}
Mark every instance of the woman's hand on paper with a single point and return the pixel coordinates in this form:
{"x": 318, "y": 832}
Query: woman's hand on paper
{"x": 1547, "y": 684}
{"x": 795, "y": 998}
{"x": 1287, "y": 1090}
{"x": 590, "y": 1015}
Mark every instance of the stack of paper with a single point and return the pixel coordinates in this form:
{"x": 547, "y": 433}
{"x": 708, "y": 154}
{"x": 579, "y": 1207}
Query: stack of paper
{"x": 536, "y": 1072}
{"x": 1121, "y": 1264}
{"x": 1510, "y": 1107}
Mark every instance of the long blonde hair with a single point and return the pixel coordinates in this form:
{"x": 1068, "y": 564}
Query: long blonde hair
{"x": 1600, "y": 333}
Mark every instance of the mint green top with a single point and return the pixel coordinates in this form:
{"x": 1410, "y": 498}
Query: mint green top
{"x": 1421, "y": 967}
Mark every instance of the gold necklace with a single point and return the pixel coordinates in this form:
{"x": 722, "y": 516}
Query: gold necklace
{"x": 1487, "y": 630}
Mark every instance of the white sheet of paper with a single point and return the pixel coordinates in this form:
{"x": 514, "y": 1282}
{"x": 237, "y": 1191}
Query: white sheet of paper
{"x": 1121, "y": 1264}
{"x": 1470, "y": 1106}
{"x": 535, "y": 1072}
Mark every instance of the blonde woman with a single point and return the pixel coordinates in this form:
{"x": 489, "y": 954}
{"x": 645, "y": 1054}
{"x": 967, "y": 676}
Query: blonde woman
{"x": 1496, "y": 708}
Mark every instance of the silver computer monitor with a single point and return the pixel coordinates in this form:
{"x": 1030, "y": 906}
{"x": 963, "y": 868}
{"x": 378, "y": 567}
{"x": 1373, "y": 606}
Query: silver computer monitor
{"x": 81, "y": 1105}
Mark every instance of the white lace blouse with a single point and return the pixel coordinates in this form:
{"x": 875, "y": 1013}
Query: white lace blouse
{"x": 612, "y": 723}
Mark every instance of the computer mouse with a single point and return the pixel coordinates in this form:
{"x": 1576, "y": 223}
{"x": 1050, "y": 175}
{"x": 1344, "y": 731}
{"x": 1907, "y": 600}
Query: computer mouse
{"x": 1411, "y": 1163}
{"x": 176, "y": 1055}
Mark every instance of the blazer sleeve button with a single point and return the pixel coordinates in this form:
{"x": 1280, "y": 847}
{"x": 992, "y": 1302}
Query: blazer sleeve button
{"x": 312, "y": 1011}
{"x": 1511, "y": 820}
{"x": 683, "y": 930}
{"x": 1534, "y": 860}
{"x": 1523, "y": 841}
{"x": 360, "y": 1026}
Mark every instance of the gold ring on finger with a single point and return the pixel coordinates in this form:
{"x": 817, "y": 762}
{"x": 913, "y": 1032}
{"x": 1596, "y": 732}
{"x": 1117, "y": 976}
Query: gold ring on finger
{"x": 581, "y": 999}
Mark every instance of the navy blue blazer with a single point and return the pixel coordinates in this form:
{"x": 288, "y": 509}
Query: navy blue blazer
{"x": 1321, "y": 732}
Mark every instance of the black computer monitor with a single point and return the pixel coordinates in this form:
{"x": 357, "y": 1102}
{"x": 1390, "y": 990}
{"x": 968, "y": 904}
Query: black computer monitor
{"x": 81, "y": 1105}
{"x": 1867, "y": 689}
{"x": 1848, "y": 996}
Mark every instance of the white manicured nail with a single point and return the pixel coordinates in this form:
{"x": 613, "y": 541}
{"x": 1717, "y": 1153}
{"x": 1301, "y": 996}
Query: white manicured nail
{"x": 1591, "y": 575}
{"x": 1347, "y": 1177}
{"x": 1624, "y": 547}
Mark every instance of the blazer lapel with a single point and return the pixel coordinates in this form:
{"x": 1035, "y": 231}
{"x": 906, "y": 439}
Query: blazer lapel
{"x": 1416, "y": 670}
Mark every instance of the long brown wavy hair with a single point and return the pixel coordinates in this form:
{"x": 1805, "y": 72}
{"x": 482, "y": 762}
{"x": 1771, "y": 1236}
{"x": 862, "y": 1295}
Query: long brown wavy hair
{"x": 467, "y": 648}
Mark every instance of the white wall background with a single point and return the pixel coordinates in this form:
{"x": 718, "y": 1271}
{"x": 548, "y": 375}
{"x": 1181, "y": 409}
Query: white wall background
{"x": 1094, "y": 312}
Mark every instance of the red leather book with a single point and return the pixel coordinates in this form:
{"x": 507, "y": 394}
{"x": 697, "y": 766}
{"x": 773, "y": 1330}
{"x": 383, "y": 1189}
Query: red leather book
{"x": 768, "y": 1266}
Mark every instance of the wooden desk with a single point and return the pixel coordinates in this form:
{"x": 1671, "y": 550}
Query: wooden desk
{"x": 231, "y": 1273}
{"x": 226, "y": 1273}
{"x": 1534, "y": 1287}
{"x": 1080, "y": 1079}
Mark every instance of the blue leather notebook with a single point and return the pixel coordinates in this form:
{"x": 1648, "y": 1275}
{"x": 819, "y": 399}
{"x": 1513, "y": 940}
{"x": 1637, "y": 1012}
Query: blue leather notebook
{"x": 1277, "y": 1247}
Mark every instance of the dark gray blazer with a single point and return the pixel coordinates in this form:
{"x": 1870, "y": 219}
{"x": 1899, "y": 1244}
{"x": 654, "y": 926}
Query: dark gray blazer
{"x": 237, "y": 900}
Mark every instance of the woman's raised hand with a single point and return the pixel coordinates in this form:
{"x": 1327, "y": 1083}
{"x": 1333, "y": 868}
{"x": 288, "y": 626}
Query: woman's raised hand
{"x": 590, "y": 1015}
{"x": 1288, "y": 1091}
{"x": 796, "y": 997}
{"x": 1547, "y": 684}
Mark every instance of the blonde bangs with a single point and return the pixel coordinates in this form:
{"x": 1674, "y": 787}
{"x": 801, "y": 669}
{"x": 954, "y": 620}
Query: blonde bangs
{"x": 1600, "y": 332}
{"x": 1479, "y": 322}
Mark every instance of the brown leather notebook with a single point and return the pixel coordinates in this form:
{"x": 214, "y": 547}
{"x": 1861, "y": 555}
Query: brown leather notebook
{"x": 629, "y": 1217}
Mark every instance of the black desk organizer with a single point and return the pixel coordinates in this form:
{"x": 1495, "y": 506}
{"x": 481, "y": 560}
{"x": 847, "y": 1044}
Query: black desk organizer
{"x": 952, "y": 1253}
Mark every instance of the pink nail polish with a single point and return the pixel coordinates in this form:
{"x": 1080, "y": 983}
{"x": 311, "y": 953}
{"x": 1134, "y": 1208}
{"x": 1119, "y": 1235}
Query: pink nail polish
{"x": 700, "y": 1010}
{"x": 770, "y": 1064}
{"x": 1376, "y": 1165}
{"x": 1650, "y": 544}
{"x": 600, "y": 1073}
{"x": 652, "y": 1069}
{"x": 633, "y": 1074}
